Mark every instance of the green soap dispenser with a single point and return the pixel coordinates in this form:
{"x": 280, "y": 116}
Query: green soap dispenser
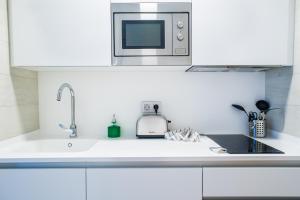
{"x": 114, "y": 131}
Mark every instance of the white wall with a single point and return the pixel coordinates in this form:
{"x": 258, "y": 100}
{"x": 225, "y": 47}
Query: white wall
{"x": 198, "y": 100}
{"x": 18, "y": 90}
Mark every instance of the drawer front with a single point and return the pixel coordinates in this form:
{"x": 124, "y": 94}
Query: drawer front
{"x": 251, "y": 182}
{"x": 42, "y": 184}
{"x": 144, "y": 184}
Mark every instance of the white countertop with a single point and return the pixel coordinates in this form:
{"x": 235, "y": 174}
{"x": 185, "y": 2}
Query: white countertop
{"x": 150, "y": 152}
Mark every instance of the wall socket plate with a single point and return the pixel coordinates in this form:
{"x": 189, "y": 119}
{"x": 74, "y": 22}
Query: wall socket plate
{"x": 148, "y": 107}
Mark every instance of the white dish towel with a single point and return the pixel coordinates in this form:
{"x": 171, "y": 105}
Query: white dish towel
{"x": 186, "y": 135}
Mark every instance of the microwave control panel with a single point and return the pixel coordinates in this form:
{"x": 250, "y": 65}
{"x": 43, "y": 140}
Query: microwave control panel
{"x": 180, "y": 34}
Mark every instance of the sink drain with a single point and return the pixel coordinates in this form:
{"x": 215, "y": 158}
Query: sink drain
{"x": 70, "y": 145}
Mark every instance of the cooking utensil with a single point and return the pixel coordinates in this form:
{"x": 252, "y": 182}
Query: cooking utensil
{"x": 270, "y": 109}
{"x": 252, "y": 123}
{"x": 241, "y": 108}
{"x": 262, "y": 116}
{"x": 252, "y": 116}
{"x": 262, "y": 105}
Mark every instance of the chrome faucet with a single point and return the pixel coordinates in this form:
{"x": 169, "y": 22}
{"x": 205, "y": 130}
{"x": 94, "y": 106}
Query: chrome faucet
{"x": 72, "y": 130}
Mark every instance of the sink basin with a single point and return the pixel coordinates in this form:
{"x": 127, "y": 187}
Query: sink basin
{"x": 50, "y": 146}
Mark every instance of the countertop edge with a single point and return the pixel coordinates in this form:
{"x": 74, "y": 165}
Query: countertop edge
{"x": 147, "y": 163}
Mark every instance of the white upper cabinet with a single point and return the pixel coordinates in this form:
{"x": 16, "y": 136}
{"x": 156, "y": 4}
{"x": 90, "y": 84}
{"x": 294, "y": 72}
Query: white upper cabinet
{"x": 60, "y": 32}
{"x": 243, "y": 32}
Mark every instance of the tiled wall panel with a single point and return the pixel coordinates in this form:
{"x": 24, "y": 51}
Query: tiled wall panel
{"x": 283, "y": 90}
{"x": 19, "y": 112}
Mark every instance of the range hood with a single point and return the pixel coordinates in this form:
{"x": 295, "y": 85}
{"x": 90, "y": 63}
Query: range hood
{"x": 231, "y": 68}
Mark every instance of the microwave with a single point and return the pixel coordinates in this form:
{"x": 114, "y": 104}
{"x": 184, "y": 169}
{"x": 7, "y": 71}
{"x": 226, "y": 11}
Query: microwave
{"x": 151, "y": 34}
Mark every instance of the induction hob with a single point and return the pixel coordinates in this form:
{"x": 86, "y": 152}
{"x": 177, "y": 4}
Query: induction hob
{"x": 241, "y": 144}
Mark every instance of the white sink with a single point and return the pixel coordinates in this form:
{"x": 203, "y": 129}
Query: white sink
{"x": 49, "y": 146}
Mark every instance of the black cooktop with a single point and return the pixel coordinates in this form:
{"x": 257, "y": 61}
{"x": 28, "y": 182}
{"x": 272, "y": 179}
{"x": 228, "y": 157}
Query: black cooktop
{"x": 241, "y": 144}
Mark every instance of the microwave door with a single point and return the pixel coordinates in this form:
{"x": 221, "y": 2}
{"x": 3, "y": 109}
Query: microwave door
{"x": 147, "y": 34}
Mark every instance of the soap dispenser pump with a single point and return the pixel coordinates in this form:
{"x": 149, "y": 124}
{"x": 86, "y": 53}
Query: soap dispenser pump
{"x": 114, "y": 131}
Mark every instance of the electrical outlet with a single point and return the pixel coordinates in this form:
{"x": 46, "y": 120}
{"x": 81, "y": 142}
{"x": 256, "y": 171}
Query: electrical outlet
{"x": 148, "y": 107}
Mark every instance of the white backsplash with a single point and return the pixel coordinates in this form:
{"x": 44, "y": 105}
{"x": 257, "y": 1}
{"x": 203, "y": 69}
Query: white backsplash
{"x": 198, "y": 100}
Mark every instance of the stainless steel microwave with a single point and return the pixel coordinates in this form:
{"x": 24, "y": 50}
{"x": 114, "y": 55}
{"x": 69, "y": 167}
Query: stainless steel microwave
{"x": 151, "y": 33}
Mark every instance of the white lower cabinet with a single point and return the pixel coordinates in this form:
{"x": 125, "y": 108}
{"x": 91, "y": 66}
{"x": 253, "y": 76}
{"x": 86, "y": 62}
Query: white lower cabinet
{"x": 144, "y": 184}
{"x": 42, "y": 184}
{"x": 148, "y": 183}
{"x": 251, "y": 182}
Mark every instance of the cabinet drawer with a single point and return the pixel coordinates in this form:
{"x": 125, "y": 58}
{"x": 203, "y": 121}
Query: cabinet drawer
{"x": 42, "y": 184}
{"x": 251, "y": 182}
{"x": 144, "y": 184}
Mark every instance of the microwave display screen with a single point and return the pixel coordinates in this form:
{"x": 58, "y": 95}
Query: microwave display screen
{"x": 143, "y": 34}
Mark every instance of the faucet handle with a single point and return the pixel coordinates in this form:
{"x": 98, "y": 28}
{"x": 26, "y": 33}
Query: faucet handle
{"x": 68, "y": 130}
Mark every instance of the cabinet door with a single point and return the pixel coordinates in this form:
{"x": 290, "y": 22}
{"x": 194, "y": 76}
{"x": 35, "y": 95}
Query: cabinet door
{"x": 60, "y": 32}
{"x": 42, "y": 184}
{"x": 144, "y": 184}
{"x": 251, "y": 182}
{"x": 243, "y": 32}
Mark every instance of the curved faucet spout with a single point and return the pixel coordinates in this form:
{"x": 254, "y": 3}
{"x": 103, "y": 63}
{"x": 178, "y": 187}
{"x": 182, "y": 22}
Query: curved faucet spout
{"x": 61, "y": 88}
{"x": 58, "y": 98}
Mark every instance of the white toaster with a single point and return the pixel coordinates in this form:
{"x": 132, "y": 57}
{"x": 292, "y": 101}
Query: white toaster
{"x": 151, "y": 126}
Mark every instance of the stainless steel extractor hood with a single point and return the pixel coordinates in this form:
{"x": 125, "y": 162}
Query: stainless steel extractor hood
{"x": 231, "y": 68}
